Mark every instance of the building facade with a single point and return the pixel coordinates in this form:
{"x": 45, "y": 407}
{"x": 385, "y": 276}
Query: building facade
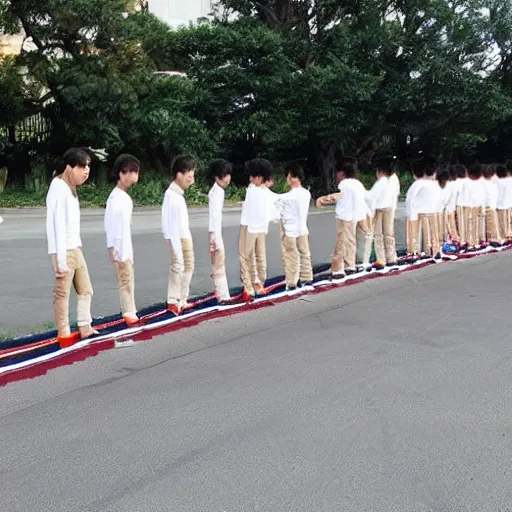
{"x": 180, "y": 12}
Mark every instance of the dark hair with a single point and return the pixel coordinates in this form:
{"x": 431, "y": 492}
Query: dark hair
{"x": 75, "y": 157}
{"x": 475, "y": 171}
{"x": 295, "y": 170}
{"x": 430, "y": 171}
{"x": 460, "y": 171}
{"x": 349, "y": 170}
{"x": 183, "y": 164}
{"x": 489, "y": 171}
{"x": 418, "y": 172}
{"x": 442, "y": 175}
{"x": 453, "y": 173}
{"x": 259, "y": 167}
{"x": 219, "y": 168}
{"x": 501, "y": 171}
{"x": 124, "y": 163}
{"x": 385, "y": 163}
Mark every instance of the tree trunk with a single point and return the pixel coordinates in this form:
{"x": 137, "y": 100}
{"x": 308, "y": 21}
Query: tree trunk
{"x": 326, "y": 161}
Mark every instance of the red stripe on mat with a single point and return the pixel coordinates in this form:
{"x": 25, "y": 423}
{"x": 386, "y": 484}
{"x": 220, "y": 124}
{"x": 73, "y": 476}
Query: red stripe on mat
{"x": 80, "y": 354}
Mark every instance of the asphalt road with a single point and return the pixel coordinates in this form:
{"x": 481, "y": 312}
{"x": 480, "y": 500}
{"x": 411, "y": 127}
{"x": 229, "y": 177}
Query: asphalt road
{"x": 26, "y": 277}
{"x": 387, "y": 396}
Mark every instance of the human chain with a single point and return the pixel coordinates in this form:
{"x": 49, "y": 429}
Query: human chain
{"x": 448, "y": 210}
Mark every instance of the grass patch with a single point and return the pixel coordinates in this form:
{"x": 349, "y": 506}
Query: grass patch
{"x": 150, "y": 192}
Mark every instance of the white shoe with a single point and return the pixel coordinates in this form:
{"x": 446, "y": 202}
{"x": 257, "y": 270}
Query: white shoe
{"x": 1, "y": 220}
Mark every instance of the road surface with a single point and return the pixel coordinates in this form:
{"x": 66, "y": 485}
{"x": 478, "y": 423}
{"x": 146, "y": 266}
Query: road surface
{"x": 26, "y": 276}
{"x": 390, "y": 396}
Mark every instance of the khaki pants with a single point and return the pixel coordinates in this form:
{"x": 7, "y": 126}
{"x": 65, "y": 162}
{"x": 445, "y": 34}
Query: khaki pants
{"x": 78, "y": 276}
{"x": 465, "y": 224}
{"x": 220, "y": 280}
{"x": 345, "y": 248}
{"x": 296, "y": 259}
{"x": 253, "y": 258}
{"x": 429, "y": 236}
{"x": 126, "y": 281}
{"x": 441, "y": 228}
{"x": 451, "y": 226}
{"x": 492, "y": 229}
{"x": 180, "y": 274}
{"x": 413, "y": 236}
{"x": 477, "y": 226}
{"x": 384, "y": 233}
{"x": 504, "y": 223}
{"x": 259, "y": 260}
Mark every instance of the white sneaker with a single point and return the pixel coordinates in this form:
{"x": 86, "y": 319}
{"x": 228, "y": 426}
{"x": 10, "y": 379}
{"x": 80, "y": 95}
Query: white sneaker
{"x": 1, "y": 220}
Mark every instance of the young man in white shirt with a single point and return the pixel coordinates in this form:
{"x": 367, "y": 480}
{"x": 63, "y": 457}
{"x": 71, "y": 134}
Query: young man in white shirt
{"x": 220, "y": 170}
{"x": 464, "y": 205}
{"x": 352, "y": 215}
{"x": 413, "y": 199}
{"x": 293, "y": 208}
{"x": 476, "y": 199}
{"x": 118, "y": 220}
{"x": 257, "y": 211}
{"x": 383, "y": 199}
{"x": 176, "y": 231}
{"x": 65, "y": 247}
{"x": 450, "y": 202}
{"x": 492, "y": 230}
{"x": 503, "y": 202}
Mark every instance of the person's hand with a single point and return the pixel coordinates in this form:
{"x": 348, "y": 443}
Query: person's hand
{"x": 111, "y": 255}
{"x": 59, "y": 273}
{"x": 320, "y": 202}
{"x": 211, "y": 242}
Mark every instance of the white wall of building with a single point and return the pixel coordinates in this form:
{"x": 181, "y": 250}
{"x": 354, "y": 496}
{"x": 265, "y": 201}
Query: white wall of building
{"x": 180, "y": 12}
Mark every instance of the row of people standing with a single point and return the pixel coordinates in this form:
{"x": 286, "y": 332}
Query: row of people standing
{"x": 371, "y": 213}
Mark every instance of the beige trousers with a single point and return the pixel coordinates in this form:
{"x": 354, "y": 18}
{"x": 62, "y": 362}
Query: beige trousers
{"x": 180, "y": 274}
{"x": 220, "y": 280}
{"x": 492, "y": 227}
{"x": 504, "y": 223}
{"x": 296, "y": 259}
{"x": 451, "y": 226}
{"x": 126, "y": 281}
{"x": 412, "y": 236}
{"x": 441, "y": 228}
{"x": 253, "y": 263}
{"x": 477, "y": 226}
{"x": 384, "y": 233}
{"x": 345, "y": 248}
{"x": 259, "y": 260}
{"x": 428, "y": 225}
{"x": 78, "y": 276}
{"x": 465, "y": 225}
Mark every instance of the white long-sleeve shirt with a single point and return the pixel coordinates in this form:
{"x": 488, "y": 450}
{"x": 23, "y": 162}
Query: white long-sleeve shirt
{"x": 394, "y": 183}
{"x": 464, "y": 196}
{"x": 294, "y": 208}
{"x": 118, "y": 221}
{"x": 175, "y": 225}
{"x": 62, "y": 221}
{"x": 414, "y": 198}
{"x": 382, "y": 195}
{"x": 258, "y": 209}
{"x": 428, "y": 199}
{"x": 452, "y": 191}
{"x": 491, "y": 194}
{"x": 352, "y": 206}
{"x": 215, "y": 206}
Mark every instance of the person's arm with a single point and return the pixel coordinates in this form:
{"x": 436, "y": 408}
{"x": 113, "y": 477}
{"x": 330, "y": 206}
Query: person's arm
{"x": 172, "y": 225}
{"x": 121, "y": 219}
{"x": 215, "y": 219}
{"x": 109, "y": 231}
{"x": 328, "y": 199}
{"x": 56, "y": 233}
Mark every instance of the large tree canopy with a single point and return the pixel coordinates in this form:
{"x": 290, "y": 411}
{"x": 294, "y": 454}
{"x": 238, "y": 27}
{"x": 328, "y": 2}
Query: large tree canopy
{"x": 276, "y": 78}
